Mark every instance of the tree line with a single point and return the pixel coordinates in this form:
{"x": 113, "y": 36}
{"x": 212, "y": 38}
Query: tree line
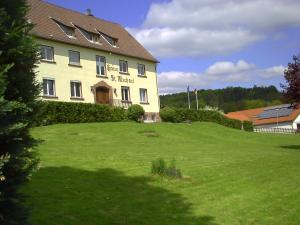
{"x": 227, "y": 99}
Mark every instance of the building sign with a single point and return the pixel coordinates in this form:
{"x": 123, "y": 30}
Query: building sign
{"x": 111, "y": 68}
{"x": 121, "y": 79}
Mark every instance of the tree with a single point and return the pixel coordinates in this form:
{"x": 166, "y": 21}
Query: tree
{"x": 291, "y": 90}
{"x": 18, "y": 93}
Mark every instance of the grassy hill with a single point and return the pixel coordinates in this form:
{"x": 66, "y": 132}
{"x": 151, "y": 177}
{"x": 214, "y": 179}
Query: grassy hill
{"x": 99, "y": 174}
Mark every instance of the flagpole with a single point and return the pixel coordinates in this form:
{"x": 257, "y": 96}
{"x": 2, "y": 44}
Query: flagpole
{"x": 196, "y": 92}
{"x": 188, "y": 92}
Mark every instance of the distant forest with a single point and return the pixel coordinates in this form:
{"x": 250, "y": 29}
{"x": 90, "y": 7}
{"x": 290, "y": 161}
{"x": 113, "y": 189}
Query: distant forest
{"x": 228, "y": 99}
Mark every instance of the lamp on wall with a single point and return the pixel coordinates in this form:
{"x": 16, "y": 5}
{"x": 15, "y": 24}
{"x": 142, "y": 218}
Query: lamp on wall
{"x": 115, "y": 91}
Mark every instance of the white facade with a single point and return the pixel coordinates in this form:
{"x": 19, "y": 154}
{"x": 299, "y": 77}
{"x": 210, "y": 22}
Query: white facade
{"x": 285, "y": 125}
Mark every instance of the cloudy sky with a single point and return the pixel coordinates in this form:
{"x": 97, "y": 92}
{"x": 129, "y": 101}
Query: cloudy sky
{"x": 208, "y": 43}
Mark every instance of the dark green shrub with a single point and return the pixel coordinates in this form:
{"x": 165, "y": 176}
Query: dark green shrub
{"x": 169, "y": 115}
{"x": 135, "y": 112}
{"x": 51, "y": 112}
{"x": 248, "y": 126}
{"x": 181, "y": 115}
{"x": 159, "y": 167}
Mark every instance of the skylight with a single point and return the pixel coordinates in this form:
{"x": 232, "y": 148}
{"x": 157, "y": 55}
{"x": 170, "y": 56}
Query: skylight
{"x": 90, "y": 36}
{"x": 68, "y": 30}
{"x": 112, "y": 41}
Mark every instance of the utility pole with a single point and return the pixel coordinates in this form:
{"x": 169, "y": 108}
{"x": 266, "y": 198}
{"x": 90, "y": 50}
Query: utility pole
{"x": 196, "y": 94}
{"x": 188, "y": 92}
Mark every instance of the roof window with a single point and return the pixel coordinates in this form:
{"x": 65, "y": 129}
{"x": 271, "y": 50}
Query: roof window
{"x": 68, "y": 30}
{"x": 112, "y": 41}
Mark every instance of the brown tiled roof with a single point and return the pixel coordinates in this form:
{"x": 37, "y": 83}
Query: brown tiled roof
{"x": 41, "y": 12}
{"x": 252, "y": 115}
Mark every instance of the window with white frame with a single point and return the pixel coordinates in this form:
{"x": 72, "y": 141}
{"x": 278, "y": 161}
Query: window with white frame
{"x": 47, "y": 53}
{"x": 48, "y": 87}
{"x": 141, "y": 69}
{"x": 125, "y": 93}
{"x": 76, "y": 89}
{"x": 74, "y": 58}
{"x": 123, "y": 66}
{"x": 100, "y": 65}
{"x": 143, "y": 95}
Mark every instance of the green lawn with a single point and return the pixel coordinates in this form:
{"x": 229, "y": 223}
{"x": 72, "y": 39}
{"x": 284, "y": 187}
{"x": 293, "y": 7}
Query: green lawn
{"x": 99, "y": 174}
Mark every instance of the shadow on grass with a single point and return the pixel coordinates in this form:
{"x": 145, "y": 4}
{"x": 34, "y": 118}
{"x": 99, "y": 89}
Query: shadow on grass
{"x": 293, "y": 147}
{"x": 106, "y": 197}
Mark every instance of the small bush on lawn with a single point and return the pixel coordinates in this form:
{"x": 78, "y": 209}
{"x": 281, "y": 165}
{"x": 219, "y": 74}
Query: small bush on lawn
{"x": 248, "y": 126}
{"x": 51, "y": 112}
{"x": 159, "y": 167}
{"x": 135, "y": 112}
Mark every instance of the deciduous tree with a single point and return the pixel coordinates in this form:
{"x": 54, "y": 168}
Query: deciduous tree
{"x": 291, "y": 89}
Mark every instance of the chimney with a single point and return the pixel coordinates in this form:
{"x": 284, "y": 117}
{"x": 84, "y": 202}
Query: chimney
{"x": 88, "y": 12}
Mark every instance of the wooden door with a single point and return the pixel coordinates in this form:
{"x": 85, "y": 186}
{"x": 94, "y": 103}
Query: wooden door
{"x": 102, "y": 95}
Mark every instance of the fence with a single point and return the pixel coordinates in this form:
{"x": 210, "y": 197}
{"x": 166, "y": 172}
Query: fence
{"x": 276, "y": 130}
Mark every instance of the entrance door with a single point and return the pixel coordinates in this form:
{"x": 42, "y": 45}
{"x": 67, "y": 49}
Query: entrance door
{"x": 298, "y": 127}
{"x": 102, "y": 95}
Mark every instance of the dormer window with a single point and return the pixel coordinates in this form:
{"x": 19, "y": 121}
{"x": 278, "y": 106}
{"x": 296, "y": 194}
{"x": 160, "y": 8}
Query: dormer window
{"x": 112, "y": 41}
{"x": 90, "y": 36}
{"x": 68, "y": 30}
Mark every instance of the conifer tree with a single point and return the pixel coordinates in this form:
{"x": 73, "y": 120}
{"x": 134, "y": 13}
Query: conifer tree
{"x": 18, "y": 93}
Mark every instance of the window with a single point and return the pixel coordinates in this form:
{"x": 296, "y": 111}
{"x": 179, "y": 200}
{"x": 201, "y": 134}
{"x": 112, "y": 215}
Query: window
{"x": 100, "y": 65}
{"x": 74, "y": 58}
{"x": 76, "y": 89}
{"x": 143, "y": 95}
{"x": 47, "y": 53}
{"x": 112, "y": 41}
{"x": 141, "y": 69}
{"x": 48, "y": 87}
{"x": 90, "y": 36}
{"x": 68, "y": 30}
{"x": 123, "y": 66}
{"x": 125, "y": 93}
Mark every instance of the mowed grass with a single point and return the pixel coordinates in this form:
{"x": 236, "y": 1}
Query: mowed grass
{"x": 99, "y": 174}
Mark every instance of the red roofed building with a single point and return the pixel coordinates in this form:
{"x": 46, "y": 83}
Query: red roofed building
{"x": 281, "y": 116}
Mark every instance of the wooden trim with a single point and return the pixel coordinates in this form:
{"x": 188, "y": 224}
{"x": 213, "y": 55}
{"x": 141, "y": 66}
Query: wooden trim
{"x": 75, "y": 65}
{"x": 123, "y": 73}
{"x": 75, "y": 98}
{"x": 49, "y": 97}
{"x": 101, "y": 76}
{"x": 47, "y": 61}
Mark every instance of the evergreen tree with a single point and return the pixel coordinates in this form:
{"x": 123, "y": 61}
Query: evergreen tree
{"x": 291, "y": 91}
{"x": 18, "y": 93}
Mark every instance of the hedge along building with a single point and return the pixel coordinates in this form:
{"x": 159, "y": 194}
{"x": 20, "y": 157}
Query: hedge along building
{"x": 86, "y": 59}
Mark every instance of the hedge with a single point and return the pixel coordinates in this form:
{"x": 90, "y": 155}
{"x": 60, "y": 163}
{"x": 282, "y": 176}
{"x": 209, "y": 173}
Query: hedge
{"x": 176, "y": 115}
{"x": 52, "y": 112}
{"x": 248, "y": 126}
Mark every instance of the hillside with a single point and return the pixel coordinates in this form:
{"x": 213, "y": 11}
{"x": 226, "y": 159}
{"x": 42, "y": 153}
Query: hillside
{"x": 99, "y": 174}
{"x": 228, "y": 99}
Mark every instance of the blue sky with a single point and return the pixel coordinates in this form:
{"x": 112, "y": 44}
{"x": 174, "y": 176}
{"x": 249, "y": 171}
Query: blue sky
{"x": 208, "y": 43}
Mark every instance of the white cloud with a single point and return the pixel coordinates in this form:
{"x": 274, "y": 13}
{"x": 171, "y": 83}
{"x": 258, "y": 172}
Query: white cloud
{"x": 272, "y": 72}
{"x": 213, "y": 27}
{"x": 229, "y": 67}
{"x": 222, "y": 73}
